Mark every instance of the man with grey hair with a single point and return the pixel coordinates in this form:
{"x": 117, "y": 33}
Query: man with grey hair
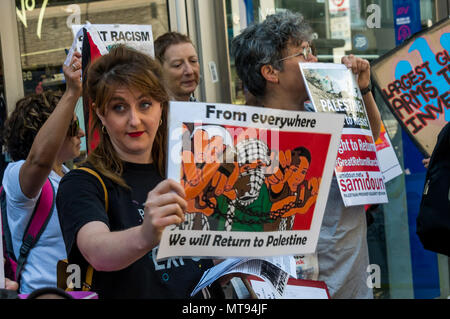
{"x": 266, "y": 58}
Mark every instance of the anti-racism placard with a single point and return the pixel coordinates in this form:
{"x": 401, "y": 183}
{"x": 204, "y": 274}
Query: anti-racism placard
{"x": 332, "y": 88}
{"x": 414, "y": 80}
{"x": 256, "y": 179}
{"x": 139, "y": 37}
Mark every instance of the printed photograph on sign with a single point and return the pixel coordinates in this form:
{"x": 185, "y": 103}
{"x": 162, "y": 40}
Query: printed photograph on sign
{"x": 332, "y": 88}
{"x": 256, "y": 179}
{"x": 331, "y": 92}
{"x": 414, "y": 80}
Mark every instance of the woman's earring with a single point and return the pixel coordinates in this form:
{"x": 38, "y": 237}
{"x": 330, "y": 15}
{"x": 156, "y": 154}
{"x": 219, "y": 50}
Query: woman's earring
{"x": 160, "y": 122}
{"x": 104, "y": 130}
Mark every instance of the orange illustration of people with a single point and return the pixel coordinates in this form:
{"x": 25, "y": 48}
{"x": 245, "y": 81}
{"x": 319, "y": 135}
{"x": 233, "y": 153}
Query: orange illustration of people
{"x": 289, "y": 190}
{"x": 243, "y": 187}
{"x": 206, "y": 172}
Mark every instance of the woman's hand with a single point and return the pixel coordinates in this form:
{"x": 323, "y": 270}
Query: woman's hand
{"x": 165, "y": 206}
{"x": 360, "y": 67}
{"x": 10, "y": 284}
{"x": 72, "y": 74}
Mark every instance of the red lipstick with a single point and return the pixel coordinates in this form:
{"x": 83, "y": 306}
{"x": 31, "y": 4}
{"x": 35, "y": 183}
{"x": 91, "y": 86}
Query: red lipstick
{"x": 135, "y": 134}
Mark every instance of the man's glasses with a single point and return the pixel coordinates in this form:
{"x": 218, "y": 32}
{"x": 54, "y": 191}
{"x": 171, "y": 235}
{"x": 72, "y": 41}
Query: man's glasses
{"x": 307, "y": 53}
{"x": 74, "y": 128}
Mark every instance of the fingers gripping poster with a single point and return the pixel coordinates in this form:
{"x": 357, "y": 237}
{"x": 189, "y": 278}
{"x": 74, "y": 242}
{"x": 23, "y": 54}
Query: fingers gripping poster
{"x": 333, "y": 89}
{"x": 256, "y": 179}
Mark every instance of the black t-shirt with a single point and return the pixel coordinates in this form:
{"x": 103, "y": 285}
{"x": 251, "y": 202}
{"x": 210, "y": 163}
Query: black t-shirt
{"x": 80, "y": 200}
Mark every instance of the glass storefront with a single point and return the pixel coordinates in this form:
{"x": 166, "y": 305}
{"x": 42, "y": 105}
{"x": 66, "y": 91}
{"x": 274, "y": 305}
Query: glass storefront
{"x": 45, "y": 32}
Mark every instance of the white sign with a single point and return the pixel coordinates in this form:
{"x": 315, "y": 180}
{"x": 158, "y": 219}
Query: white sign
{"x": 139, "y": 37}
{"x": 333, "y": 88}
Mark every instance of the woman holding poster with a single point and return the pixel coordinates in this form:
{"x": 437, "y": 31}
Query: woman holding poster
{"x": 120, "y": 242}
{"x": 267, "y": 57}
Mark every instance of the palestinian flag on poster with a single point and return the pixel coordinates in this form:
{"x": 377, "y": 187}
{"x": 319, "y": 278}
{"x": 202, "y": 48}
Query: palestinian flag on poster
{"x": 92, "y": 48}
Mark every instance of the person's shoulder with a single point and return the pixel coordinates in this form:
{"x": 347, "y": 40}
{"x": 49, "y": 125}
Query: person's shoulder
{"x": 13, "y": 166}
{"x": 10, "y": 180}
{"x": 79, "y": 186}
{"x": 79, "y": 177}
{"x": 74, "y": 173}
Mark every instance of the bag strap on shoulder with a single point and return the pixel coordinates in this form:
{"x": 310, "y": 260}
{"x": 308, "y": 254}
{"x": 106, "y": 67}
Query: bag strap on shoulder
{"x": 40, "y": 217}
{"x": 91, "y": 171}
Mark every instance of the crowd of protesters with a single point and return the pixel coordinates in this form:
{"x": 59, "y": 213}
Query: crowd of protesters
{"x": 128, "y": 95}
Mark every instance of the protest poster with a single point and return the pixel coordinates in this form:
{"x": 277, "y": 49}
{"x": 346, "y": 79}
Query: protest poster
{"x": 414, "y": 81}
{"x": 256, "y": 179}
{"x": 389, "y": 164}
{"x": 139, "y": 37}
{"x": 332, "y": 88}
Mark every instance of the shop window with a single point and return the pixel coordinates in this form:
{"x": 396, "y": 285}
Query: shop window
{"x": 44, "y": 28}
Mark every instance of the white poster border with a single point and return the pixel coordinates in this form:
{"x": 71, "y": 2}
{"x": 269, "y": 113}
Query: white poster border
{"x": 127, "y": 32}
{"x": 182, "y": 112}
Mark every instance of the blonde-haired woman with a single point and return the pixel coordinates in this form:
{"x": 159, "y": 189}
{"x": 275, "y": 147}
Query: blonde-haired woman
{"x": 129, "y": 105}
